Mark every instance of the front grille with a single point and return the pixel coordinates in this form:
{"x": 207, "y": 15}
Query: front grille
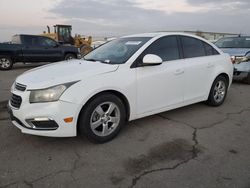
{"x": 20, "y": 87}
{"x": 15, "y": 101}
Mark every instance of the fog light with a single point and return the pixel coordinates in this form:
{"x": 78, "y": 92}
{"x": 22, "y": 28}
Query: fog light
{"x": 42, "y": 124}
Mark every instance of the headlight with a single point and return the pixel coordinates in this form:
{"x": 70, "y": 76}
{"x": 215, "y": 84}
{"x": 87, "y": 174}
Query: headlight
{"x": 247, "y": 57}
{"x": 49, "y": 94}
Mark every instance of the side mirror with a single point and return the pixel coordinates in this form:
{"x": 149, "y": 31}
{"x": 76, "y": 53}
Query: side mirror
{"x": 151, "y": 60}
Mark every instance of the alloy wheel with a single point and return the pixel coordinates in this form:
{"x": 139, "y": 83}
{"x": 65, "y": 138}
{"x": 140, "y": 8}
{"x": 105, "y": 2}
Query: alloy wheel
{"x": 5, "y": 63}
{"x": 219, "y": 91}
{"x": 105, "y": 119}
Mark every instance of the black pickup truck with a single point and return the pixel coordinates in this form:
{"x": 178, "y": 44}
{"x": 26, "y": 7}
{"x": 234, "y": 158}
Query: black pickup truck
{"x": 33, "y": 48}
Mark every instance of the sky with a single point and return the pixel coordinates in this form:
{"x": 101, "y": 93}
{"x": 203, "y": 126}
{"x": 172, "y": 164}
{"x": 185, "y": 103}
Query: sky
{"x": 121, "y": 17}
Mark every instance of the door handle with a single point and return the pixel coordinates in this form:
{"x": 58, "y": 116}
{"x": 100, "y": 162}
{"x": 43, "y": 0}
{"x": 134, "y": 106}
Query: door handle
{"x": 179, "y": 71}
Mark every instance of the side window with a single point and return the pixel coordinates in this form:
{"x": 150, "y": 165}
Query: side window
{"x": 30, "y": 40}
{"x": 43, "y": 41}
{"x": 166, "y": 48}
{"x": 192, "y": 47}
{"x": 210, "y": 50}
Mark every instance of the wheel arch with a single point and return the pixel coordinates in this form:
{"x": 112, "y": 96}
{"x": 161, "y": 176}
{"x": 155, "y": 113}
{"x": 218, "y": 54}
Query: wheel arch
{"x": 220, "y": 74}
{"x": 217, "y": 75}
{"x": 67, "y": 52}
{"x": 224, "y": 75}
{"x": 114, "y": 92}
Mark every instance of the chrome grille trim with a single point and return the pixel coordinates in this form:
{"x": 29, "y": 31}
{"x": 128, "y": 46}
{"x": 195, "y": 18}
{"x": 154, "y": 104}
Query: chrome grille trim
{"x": 20, "y": 87}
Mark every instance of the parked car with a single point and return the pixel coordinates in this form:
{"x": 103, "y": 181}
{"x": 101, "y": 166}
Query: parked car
{"x": 123, "y": 80}
{"x": 239, "y": 50}
{"x": 32, "y": 48}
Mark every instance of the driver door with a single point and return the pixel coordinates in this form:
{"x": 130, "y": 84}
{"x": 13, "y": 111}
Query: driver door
{"x": 162, "y": 86}
{"x": 49, "y": 50}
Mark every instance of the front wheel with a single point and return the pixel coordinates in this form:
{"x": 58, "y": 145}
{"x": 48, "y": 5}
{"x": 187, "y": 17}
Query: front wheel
{"x": 5, "y": 63}
{"x": 218, "y": 91}
{"x": 70, "y": 56}
{"x": 248, "y": 78}
{"x": 102, "y": 118}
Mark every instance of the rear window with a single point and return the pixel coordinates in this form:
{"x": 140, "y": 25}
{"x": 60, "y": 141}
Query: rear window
{"x": 193, "y": 47}
{"x": 210, "y": 50}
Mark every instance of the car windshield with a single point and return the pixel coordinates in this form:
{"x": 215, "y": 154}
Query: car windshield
{"x": 234, "y": 42}
{"x": 117, "y": 51}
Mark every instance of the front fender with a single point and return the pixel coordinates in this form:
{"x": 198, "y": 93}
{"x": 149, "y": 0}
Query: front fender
{"x": 81, "y": 92}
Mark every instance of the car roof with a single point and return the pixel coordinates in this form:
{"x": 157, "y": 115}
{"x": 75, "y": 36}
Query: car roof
{"x": 161, "y": 34}
{"x": 233, "y": 37}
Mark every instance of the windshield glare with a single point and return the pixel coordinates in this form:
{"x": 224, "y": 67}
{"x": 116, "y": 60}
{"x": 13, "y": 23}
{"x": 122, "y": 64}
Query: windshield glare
{"x": 234, "y": 42}
{"x": 117, "y": 51}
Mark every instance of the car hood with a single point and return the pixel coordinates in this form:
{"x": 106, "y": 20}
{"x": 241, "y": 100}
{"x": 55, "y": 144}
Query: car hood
{"x": 63, "y": 72}
{"x": 236, "y": 51}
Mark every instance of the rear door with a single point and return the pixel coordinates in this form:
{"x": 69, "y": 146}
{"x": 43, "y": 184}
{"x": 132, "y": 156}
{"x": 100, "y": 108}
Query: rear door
{"x": 199, "y": 62}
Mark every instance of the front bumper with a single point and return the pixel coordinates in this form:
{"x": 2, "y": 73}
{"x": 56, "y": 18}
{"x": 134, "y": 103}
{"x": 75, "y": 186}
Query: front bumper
{"x": 44, "y": 119}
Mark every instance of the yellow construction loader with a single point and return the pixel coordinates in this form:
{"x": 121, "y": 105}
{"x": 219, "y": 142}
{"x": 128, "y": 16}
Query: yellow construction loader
{"x": 62, "y": 34}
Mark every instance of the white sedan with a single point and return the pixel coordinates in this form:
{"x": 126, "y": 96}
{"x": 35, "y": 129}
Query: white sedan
{"x": 123, "y": 80}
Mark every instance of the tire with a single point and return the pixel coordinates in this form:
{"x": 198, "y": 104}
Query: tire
{"x": 99, "y": 124}
{"x": 70, "y": 56}
{"x": 218, "y": 92}
{"x": 6, "y": 63}
{"x": 248, "y": 78}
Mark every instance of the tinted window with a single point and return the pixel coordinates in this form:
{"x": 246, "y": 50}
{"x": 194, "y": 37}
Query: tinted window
{"x": 30, "y": 40}
{"x": 166, "y": 48}
{"x": 209, "y": 49}
{"x": 192, "y": 47}
{"x": 234, "y": 42}
{"x": 43, "y": 41}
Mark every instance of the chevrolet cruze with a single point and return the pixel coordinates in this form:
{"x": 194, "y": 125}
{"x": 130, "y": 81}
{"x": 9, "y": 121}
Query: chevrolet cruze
{"x": 122, "y": 80}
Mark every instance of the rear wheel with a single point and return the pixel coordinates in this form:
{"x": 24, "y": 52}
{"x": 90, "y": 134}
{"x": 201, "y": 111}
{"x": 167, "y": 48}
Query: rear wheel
{"x": 70, "y": 56}
{"x": 5, "y": 63}
{"x": 102, "y": 118}
{"x": 218, "y": 91}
